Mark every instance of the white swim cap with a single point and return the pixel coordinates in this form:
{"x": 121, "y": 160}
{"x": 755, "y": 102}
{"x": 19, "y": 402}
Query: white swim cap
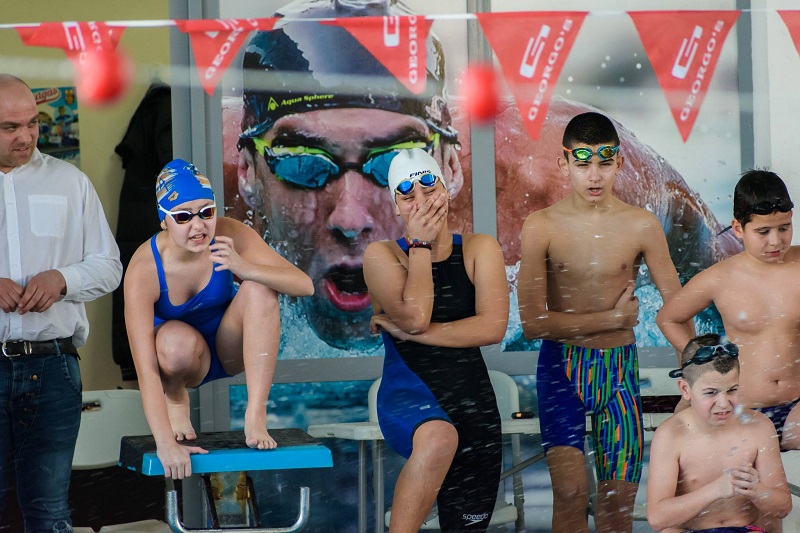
{"x": 410, "y": 164}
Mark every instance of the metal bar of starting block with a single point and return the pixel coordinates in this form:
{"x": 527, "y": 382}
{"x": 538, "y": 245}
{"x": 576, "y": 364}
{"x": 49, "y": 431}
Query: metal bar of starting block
{"x": 521, "y": 466}
{"x": 174, "y": 521}
{"x": 296, "y": 450}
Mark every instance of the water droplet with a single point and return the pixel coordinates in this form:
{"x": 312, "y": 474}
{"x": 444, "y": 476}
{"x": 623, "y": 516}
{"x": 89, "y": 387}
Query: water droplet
{"x": 638, "y": 65}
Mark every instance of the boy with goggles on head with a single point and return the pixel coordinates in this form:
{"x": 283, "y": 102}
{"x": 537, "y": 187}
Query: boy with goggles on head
{"x": 715, "y": 467}
{"x": 756, "y": 293}
{"x": 438, "y": 297}
{"x": 188, "y": 323}
{"x": 322, "y": 120}
{"x": 580, "y": 261}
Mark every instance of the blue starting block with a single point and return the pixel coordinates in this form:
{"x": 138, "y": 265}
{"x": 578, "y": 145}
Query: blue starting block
{"x": 227, "y": 455}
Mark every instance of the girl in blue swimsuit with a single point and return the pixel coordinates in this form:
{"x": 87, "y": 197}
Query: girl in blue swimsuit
{"x": 437, "y": 297}
{"x": 187, "y": 321}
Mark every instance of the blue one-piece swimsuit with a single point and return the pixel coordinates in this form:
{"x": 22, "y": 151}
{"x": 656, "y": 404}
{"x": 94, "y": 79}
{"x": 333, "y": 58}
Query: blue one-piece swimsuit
{"x": 203, "y": 311}
{"x": 423, "y": 383}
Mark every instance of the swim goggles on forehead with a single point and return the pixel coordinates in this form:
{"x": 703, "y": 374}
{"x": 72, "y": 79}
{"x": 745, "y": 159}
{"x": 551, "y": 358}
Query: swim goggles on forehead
{"x": 312, "y": 168}
{"x": 183, "y": 217}
{"x": 705, "y": 354}
{"x": 427, "y": 180}
{"x": 784, "y": 205}
{"x": 585, "y": 154}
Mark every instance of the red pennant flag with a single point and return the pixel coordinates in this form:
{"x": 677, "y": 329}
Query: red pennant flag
{"x": 531, "y": 49}
{"x": 398, "y": 42}
{"x": 792, "y": 21}
{"x": 75, "y": 38}
{"x": 684, "y": 52}
{"x": 216, "y": 42}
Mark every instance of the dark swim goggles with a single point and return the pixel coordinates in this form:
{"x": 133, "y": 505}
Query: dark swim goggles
{"x": 427, "y": 180}
{"x": 183, "y": 217}
{"x": 705, "y": 354}
{"x": 312, "y": 168}
{"x": 585, "y": 154}
{"x": 784, "y": 205}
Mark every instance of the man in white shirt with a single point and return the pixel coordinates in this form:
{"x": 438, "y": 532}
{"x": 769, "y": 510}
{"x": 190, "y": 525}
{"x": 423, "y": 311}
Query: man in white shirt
{"x": 56, "y": 252}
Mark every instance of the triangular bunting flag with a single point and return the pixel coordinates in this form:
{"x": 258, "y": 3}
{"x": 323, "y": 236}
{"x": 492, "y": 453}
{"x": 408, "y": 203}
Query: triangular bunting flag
{"x": 531, "y": 49}
{"x": 216, "y": 42}
{"x": 73, "y": 37}
{"x": 683, "y": 47}
{"x": 398, "y": 42}
{"x": 792, "y": 21}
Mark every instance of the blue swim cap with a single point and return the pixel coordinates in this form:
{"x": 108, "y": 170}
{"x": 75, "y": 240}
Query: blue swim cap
{"x": 178, "y": 182}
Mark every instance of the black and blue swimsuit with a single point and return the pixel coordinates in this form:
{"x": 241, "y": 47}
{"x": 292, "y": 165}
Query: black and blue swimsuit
{"x": 423, "y": 383}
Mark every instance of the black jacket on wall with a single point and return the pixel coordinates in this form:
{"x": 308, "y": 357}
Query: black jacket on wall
{"x": 145, "y": 149}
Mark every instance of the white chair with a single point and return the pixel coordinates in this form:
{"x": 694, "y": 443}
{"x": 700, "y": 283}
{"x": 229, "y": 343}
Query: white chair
{"x": 507, "y": 397}
{"x": 106, "y": 417}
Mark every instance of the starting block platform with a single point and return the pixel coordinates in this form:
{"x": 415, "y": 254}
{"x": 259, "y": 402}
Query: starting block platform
{"x": 227, "y": 453}
{"x": 224, "y": 466}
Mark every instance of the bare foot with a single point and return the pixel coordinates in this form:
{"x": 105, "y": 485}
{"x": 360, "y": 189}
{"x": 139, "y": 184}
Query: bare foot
{"x": 255, "y": 429}
{"x": 178, "y": 411}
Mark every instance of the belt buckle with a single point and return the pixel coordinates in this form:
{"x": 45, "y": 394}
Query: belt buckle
{"x": 26, "y": 349}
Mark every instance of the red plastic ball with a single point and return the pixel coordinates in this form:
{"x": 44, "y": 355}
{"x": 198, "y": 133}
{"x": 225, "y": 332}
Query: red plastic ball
{"x": 102, "y": 77}
{"x": 481, "y": 92}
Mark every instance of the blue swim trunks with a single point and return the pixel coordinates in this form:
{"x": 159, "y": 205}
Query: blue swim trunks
{"x": 572, "y": 382}
{"x": 778, "y": 414}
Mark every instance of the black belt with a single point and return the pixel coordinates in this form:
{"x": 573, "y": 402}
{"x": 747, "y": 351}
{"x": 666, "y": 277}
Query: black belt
{"x": 53, "y": 347}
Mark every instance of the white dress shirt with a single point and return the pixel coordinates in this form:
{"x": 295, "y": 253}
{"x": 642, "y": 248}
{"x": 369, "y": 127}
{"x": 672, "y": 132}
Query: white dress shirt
{"x": 53, "y": 219}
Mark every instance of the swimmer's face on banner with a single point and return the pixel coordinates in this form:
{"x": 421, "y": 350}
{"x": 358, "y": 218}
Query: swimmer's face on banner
{"x": 321, "y": 116}
{"x": 325, "y": 229}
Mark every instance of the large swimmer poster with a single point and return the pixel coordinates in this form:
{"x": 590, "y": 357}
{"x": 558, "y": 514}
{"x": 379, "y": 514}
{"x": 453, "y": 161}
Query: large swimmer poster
{"x": 311, "y": 87}
{"x": 324, "y": 228}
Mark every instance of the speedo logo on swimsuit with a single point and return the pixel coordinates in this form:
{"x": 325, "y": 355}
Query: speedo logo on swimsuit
{"x": 474, "y": 518}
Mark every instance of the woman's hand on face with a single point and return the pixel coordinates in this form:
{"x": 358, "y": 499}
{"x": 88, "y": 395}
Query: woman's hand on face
{"x": 426, "y": 220}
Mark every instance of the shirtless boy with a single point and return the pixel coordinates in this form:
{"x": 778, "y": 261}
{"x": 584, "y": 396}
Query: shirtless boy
{"x": 580, "y": 259}
{"x": 756, "y": 293}
{"x": 715, "y": 467}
